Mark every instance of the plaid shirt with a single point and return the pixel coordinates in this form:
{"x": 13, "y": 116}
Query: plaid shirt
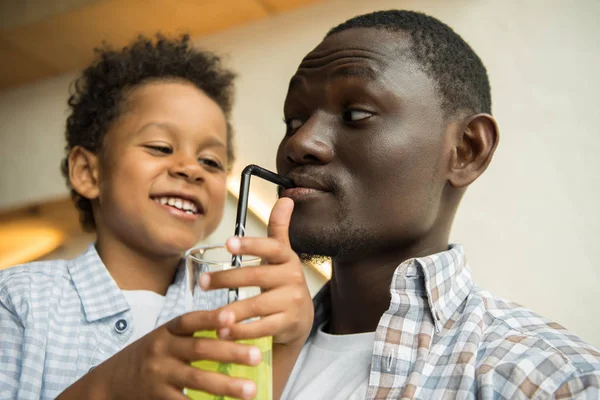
{"x": 59, "y": 319}
{"x": 444, "y": 338}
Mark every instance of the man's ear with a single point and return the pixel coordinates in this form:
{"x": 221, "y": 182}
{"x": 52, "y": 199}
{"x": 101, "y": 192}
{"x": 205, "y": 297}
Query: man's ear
{"x": 84, "y": 173}
{"x": 474, "y": 147}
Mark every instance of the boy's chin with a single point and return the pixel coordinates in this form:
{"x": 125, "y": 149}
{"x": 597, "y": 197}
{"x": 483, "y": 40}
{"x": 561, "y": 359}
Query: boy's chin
{"x": 173, "y": 245}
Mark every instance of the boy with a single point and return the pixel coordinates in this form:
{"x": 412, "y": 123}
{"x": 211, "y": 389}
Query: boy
{"x": 148, "y": 152}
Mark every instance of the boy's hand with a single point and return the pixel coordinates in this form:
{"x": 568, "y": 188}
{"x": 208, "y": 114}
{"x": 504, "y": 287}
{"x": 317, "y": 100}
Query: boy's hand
{"x": 285, "y": 304}
{"x": 157, "y": 366}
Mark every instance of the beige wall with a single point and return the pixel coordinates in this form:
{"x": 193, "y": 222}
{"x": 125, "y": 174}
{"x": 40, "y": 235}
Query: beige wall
{"x": 530, "y": 224}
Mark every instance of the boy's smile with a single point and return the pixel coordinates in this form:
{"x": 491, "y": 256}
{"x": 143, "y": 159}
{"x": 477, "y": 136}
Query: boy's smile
{"x": 180, "y": 205}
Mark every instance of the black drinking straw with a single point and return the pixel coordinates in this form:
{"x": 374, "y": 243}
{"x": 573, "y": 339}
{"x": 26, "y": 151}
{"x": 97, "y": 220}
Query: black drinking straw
{"x": 242, "y": 206}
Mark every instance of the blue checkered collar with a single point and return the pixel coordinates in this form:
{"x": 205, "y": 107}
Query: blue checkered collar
{"x": 99, "y": 294}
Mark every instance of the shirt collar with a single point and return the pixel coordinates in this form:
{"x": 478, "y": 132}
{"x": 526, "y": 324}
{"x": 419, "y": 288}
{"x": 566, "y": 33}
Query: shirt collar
{"x": 444, "y": 278}
{"x": 99, "y": 294}
{"x": 448, "y": 282}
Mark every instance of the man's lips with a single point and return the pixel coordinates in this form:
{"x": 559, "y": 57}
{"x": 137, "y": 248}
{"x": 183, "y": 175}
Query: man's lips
{"x": 306, "y": 186}
{"x": 298, "y": 193}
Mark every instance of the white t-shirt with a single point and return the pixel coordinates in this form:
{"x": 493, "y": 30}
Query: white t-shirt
{"x": 145, "y": 308}
{"x": 332, "y": 367}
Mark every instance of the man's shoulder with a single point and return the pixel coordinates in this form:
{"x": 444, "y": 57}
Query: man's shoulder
{"x": 519, "y": 342}
{"x": 509, "y": 321}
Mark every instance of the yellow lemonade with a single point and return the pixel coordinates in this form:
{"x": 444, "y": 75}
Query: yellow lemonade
{"x": 260, "y": 374}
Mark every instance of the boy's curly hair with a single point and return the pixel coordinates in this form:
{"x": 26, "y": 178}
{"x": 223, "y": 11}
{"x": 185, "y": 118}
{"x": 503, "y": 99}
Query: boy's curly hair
{"x": 97, "y": 95}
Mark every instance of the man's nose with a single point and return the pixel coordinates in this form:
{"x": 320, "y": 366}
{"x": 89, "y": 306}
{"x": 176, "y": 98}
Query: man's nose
{"x": 310, "y": 144}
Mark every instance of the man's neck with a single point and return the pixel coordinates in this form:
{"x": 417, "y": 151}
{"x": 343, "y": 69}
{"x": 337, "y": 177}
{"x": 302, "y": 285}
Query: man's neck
{"x": 360, "y": 288}
{"x": 132, "y": 270}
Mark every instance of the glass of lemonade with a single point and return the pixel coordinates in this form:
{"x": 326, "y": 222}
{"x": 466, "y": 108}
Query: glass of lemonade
{"x": 214, "y": 258}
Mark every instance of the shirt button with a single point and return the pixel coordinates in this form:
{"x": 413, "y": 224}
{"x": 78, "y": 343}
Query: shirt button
{"x": 389, "y": 362}
{"x": 121, "y": 326}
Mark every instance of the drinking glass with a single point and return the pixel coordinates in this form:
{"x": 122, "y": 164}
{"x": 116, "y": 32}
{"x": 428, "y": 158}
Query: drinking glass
{"x": 212, "y": 258}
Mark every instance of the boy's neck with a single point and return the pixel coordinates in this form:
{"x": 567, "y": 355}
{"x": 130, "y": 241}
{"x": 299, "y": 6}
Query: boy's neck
{"x": 133, "y": 270}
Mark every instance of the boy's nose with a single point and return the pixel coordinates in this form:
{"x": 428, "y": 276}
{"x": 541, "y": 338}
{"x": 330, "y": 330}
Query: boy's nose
{"x": 187, "y": 168}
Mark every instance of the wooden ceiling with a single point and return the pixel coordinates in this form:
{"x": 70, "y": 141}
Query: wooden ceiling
{"x": 43, "y": 38}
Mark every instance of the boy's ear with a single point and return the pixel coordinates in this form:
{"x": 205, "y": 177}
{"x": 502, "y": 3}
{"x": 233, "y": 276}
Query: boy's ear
{"x": 83, "y": 172}
{"x": 474, "y": 147}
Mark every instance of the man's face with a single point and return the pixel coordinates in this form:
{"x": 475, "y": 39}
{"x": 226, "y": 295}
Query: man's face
{"x": 366, "y": 146}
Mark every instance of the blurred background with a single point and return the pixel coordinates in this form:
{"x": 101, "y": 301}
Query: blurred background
{"x": 530, "y": 224}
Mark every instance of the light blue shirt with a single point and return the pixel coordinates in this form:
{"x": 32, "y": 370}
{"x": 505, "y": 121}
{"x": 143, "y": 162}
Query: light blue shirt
{"x": 59, "y": 319}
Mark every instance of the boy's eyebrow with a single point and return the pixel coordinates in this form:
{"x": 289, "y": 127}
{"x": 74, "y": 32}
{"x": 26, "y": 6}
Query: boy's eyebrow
{"x": 212, "y": 141}
{"x": 162, "y": 125}
{"x": 209, "y": 141}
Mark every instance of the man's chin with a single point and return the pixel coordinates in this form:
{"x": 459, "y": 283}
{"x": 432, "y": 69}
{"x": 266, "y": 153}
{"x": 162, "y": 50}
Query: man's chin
{"x": 314, "y": 258}
{"x": 329, "y": 243}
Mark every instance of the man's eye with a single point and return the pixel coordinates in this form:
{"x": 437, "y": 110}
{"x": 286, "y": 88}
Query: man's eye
{"x": 211, "y": 163}
{"x": 293, "y": 123}
{"x": 160, "y": 149}
{"x": 355, "y": 115}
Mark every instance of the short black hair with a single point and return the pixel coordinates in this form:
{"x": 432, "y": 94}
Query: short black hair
{"x": 460, "y": 75}
{"x": 98, "y": 94}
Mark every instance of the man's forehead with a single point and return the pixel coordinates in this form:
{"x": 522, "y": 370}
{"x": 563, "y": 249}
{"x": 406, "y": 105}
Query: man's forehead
{"x": 377, "y": 43}
{"x": 362, "y": 52}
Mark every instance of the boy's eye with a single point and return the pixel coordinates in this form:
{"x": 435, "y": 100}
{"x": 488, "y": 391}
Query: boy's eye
{"x": 160, "y": 149}
{"x": 211, "y": 163}
{"x": 356, "y": 115}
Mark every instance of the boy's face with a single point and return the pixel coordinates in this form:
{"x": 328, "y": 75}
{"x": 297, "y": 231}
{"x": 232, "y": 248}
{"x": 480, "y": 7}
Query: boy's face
{"x": 366, "y": 130}
{"x": 162, "y": 174}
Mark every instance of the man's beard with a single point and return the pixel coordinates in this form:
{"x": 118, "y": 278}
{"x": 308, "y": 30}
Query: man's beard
{"x": 335, "y": 242}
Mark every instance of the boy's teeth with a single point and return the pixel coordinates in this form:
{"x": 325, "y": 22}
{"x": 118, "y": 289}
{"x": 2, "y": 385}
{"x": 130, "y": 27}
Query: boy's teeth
{"x": 181, "y": 204}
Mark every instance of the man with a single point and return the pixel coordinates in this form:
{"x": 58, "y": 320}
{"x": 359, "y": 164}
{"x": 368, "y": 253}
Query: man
{"x": 388, "y": 122}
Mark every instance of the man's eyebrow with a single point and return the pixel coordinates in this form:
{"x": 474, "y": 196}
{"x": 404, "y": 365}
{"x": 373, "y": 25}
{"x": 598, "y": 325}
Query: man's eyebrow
{"x": 343, "y": 71}
{"x": 355, "y": 71}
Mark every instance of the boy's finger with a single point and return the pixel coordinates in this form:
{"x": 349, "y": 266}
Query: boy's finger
{"x": 279, "y": 221}
{"x": 171, "y": 393}
{"x": 269, "y": 249}
{"x": 187, "y": 324}
{"x": 266, "y": 326}
{"x": 203, "y": 348}
{"x": 186, "y": 376}
{"x": 266, "y": 277}
{"x": 267, "y": 303}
